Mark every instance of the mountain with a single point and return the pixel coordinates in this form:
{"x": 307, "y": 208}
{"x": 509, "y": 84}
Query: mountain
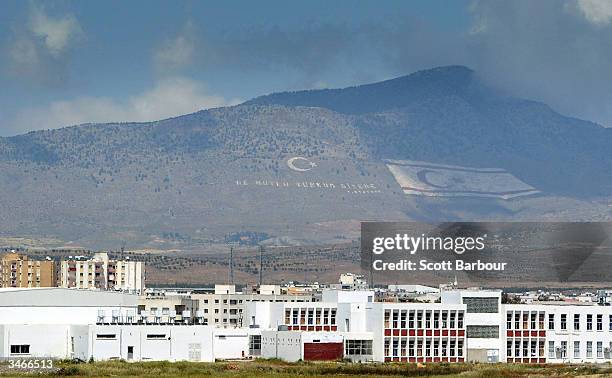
{"x": 303, "y": 166}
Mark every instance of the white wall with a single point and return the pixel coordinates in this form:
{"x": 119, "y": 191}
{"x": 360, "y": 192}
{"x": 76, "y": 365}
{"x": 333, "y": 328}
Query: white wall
{"x": 44, "y": 340}
{"x": 57, "y": 315}
{"x": 286, "y": 345}
{"x": 231, "y": 343}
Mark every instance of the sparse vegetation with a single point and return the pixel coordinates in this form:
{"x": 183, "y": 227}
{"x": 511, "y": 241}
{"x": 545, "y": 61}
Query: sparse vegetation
{"x": 276, "y": 368}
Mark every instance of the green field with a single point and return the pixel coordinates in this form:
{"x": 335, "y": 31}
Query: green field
{"x": 259, "y": 368}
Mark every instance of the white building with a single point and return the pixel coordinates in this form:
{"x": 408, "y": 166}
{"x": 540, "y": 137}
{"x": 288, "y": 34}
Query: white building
{"x": 100, "y": 272}
{"x": 468, "y": 325}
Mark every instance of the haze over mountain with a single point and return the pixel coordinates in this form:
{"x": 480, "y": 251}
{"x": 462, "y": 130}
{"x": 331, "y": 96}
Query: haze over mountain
{"x": 301, "y": 166}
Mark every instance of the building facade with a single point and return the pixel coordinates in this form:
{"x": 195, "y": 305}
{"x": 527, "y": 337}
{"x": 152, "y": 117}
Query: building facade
{"x": 18, "y": 270}
{"x": 100, "y": 272}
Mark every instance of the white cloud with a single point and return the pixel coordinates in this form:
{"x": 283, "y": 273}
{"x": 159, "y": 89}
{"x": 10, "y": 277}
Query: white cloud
{"x": 598, "y": 12}
{"x": 55, "y": 33}
{"x": 178, "y": 52}
{"x": 170, "y": 97}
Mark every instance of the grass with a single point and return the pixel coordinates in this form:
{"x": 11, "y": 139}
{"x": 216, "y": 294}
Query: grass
{"x": 276, "y": 368}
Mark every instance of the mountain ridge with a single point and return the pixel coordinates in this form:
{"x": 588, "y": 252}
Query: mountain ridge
{"x": 201, "y": 176}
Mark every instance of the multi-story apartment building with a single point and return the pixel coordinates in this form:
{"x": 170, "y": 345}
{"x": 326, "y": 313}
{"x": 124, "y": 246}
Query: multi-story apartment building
{"x": 18, "y": 270}
{"x": 100, "y": 272}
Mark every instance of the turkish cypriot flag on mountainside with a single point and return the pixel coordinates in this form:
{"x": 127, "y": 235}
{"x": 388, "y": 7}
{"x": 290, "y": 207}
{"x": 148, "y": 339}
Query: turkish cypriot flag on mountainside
{"x": 438, "y": 180}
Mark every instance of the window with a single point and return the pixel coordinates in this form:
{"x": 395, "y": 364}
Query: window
{"x": 403, "y": 319}
{"x": 541, "y": 348}
{"x": 106, "y": 336}
{"x": 395, "y": 318}
{"x": 589, "y": 325}
{"x": 564, "y": 321}
{"x": 509, "y": 322}
{"x": 551, "y": 349}
{"x": 255, "y": 345}
{"x": 453, "y": 314}
{"x": 541, "y": 320}
{"x": 610, "y": 322}
{"x": 156, "y": 336}
{"x": 576, "y": 349}
{"x": 589, "y": 349}
{"x": 533, "y": 349}
{"x": 599, "y": 322}
{"x": 551, "y": 321}
{"x": 517, "y": 348}
{"x": 483, "y": 332}
{"x": 436, "y": 317}
{"x": 20, "y": 349}
{"x": 576, "y": 322}
{"x": 509, "y": 348}
{"x": 563, "y": 349}
{"x": 444, "y": 319}
{"x": 533, "y": 320}
{"x": 481, "y": 305}
{"x": 428, "y": 319}
{"x": 517, "y": 320}
{"x": 419, "y": 319}
{"x": 310, "y": 316}
{"x": 599, "y": 349}
{"x": 460, "y": 319}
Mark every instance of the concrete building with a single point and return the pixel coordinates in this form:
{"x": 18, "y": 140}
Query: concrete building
{"x": 225, "y": 306}
{"x": 100, "y": 272}
{"x": 18, "y": 270}
{"x": 56, "y": 306}
{"x": 467, "y": 325}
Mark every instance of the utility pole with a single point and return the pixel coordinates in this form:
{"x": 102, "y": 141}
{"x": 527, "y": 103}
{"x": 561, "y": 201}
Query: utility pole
{"x": 231, "y": 265}
{"x": 260, "y": 264}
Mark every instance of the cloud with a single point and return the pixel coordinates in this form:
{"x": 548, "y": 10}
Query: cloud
{"x": 599, "y": 12}
{"x": 169, "y": 97}
{"x": 176, "y": 53}
{"x": 56, "y": 33}
{"x": 38, "y": 50}
{"x": 544, "y": 50}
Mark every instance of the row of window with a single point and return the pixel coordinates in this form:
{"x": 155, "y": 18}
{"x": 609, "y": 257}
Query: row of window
{"x": 310, "y": 316}
{"x": 535, "y": 320}
{"x": 423, "y": 319}
{"x": 423, "y": 347}
{"x": 358, "y": 348}
{"x": 526, "y": 348}
{"x": 560, "y": 351}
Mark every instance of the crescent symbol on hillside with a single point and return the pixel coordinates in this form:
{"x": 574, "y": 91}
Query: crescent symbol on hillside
{"x": 291, "y": 165}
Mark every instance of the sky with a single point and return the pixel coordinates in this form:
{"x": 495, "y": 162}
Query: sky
{"x": 70, "y": 62}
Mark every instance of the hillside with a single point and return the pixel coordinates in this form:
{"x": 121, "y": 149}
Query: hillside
{"x": 294, "y": 168}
